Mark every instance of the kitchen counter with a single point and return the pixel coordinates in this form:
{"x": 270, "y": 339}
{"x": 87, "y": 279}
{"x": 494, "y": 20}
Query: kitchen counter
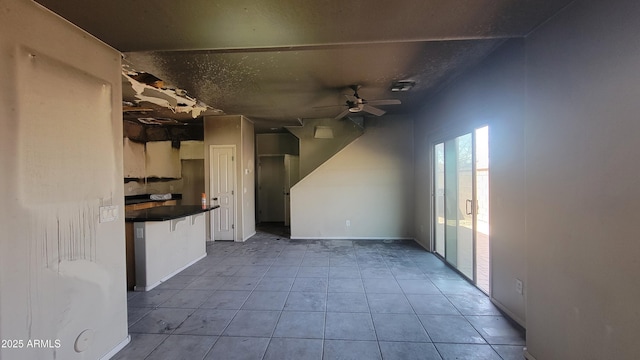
{"x": 164, "y": 213}
{"x": 162, "y": 241}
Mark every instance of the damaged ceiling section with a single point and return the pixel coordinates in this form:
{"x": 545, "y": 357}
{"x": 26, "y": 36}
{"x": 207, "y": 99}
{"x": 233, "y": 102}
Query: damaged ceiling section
{"x": 154, "y": 110}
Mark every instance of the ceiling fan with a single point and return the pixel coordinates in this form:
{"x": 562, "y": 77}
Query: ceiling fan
{"x": 356, "y": 104}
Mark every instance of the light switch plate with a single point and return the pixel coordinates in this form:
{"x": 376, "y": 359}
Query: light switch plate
{"x": 108, "y": 213}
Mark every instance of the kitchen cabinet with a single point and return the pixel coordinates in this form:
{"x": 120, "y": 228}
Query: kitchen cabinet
{"x": 134, "y": 159}
{"x": 162, "y": 160}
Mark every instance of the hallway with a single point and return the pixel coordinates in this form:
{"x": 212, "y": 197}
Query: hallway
{"x": 276, "y": 298}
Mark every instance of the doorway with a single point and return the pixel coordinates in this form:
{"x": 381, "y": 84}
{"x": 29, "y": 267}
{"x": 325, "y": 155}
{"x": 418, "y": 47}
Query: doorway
{"x": 276, "y": 175}
{"x": 461, "y": 204}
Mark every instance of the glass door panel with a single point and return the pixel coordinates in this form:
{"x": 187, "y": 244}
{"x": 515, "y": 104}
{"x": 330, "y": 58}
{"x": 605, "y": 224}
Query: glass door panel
{"x": 464, "y": 210}
{"x": 439, "y": 199}
{"x": 482, "y": 216}
{"x": 451, "y": 201}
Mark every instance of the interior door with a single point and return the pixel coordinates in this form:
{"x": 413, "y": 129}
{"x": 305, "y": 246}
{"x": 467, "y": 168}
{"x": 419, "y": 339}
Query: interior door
{"x": 222, "y": 187}
{"x": 291, "y": 177}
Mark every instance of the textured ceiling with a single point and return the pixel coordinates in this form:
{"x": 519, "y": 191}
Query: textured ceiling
{"x": 277, "y": 61}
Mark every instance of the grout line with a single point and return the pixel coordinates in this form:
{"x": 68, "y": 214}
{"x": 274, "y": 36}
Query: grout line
{"x": 391, "y": 256}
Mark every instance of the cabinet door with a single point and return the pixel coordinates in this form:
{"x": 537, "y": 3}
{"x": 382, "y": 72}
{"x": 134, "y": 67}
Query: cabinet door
{"x": 134, "y": 159}
{"x": 162, "y": 160}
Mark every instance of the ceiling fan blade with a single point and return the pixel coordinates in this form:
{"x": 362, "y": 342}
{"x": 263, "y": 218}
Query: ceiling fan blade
{"x": 372, "y": 110}
{"x": 327, "y": 106}
{"x": 342, "y": 114}
{"x": 384, "y": 102}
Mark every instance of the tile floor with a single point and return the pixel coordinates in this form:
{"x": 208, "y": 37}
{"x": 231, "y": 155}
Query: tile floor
{"x": 276, "y": 298}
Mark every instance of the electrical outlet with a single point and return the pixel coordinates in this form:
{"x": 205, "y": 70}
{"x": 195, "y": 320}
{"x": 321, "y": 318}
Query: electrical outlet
{"x": 348, "y": 223}
{"x": 519, "y": 289}
{"x": 108, "y": 213}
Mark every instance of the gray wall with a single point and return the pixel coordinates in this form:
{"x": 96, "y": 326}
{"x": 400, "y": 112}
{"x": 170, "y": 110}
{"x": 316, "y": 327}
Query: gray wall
{"x": 277, "y": 144}
{"x": 492, "y": 94}
{"x": 582, "y": 196}
{"x": 563, "y": 124}
{"x": 62, "y": 274}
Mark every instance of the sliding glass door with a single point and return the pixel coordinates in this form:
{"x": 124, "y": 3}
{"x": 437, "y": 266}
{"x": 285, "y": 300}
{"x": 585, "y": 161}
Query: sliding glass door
{"x": 456, "y": 203}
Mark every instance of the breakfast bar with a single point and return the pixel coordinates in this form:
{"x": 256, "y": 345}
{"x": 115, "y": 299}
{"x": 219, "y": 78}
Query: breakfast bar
{"x": 166, "y": 240}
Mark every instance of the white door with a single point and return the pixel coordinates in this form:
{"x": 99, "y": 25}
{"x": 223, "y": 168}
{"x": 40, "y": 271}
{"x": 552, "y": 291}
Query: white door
{"x": 292, "y": 175}
{"x": 222, "y": 187}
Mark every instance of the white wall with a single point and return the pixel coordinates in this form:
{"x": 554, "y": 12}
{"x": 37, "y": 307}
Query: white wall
{"x": 492, "y": 94}
{"x": 62, "y": 272}
{"x": 248, "y": 166}
{"x": 564, "y": 176}
{"x": 582, "y": 190}
{"x": 369, "y": 183}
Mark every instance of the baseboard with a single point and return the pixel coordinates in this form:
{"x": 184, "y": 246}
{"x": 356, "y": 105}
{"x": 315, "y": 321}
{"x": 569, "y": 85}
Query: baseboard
{"x": 508, "y": 312}
{"x": 150, "y": 287}
{"x": 116, "y": 349}
{"x": 348, "y": 238}
{"x": 526, "y": 354}
{"x": 247, "y": 238}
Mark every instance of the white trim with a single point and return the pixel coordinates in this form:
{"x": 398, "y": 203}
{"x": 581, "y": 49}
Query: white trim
{"x": 527, "y": 355}
{"x": 510, "y": 313}
{"x": 150, "y": 287}
{"x": 116, "y": 349}
{"x": 349, "y": 238}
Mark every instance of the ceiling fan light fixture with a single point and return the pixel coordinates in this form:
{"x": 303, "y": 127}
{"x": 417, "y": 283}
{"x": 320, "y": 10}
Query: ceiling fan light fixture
{"x": 356, "y": 106}
{"x": 402, "y": 85}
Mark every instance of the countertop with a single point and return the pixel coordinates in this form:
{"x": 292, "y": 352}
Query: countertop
{"x": 137, "y": 199}
{"x": 163, "y": 213}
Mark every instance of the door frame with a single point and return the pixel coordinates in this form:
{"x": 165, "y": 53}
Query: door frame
{"x": 451, "y": 135}
{"x": 211, "y": 187}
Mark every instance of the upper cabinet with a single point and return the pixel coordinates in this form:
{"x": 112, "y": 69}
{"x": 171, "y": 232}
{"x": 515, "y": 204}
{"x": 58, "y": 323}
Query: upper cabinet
{"x": 192, "y": 150}
{"x": 162, "y": 160}
{"x": 158, "y": 159}
{"x": 134, "y": 159}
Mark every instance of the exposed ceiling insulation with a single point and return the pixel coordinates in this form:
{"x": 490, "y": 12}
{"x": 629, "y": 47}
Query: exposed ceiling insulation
{"x": 278, "y": 61}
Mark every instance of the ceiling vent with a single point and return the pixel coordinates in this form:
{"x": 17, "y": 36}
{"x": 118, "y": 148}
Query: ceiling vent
{"x": 403, "y": 85}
